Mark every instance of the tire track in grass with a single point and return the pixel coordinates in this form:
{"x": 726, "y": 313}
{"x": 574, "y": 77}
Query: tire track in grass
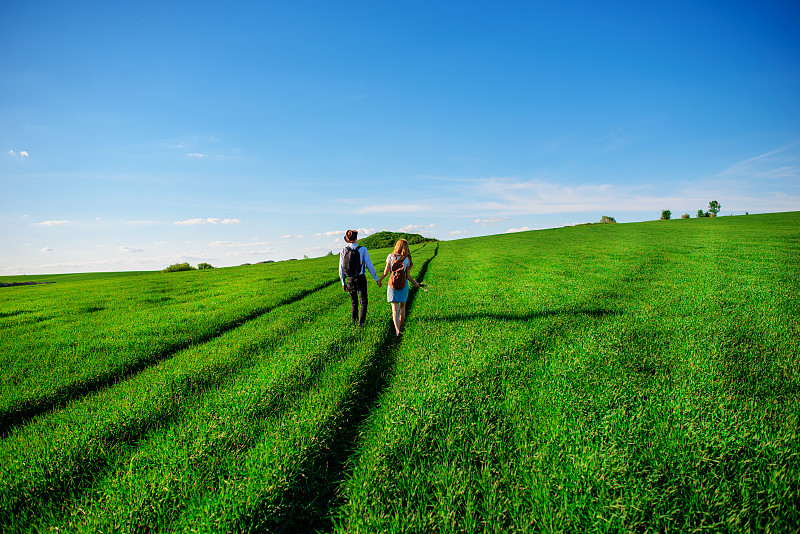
{"x": 298, "y": 493}
{"x": 63, "y": 452}
{"x": 313, "y": 492}
{"x": 196, "y": 455}
{"x": 32, "y": 408}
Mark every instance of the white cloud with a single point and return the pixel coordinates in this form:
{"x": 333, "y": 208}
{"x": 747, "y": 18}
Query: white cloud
{"x": 362, "y": 232}
{"x": 21, "y": 153}
{"x": 290, "y": 236}
{"x": 209, "y": 221}
{"x": 195, "y": 155}
{"x": 47, "y": 249}
{"x": 490, "y": 220}
{"x": 458, "y": 232}
{"x": 52, "y": 223}
{"x": 523, "y": 229}
{"x": 415, "y": 228}
{"x": 130, "y": 250}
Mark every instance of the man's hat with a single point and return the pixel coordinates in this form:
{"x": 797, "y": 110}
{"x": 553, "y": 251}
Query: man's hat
{"x": 351, "y": 236}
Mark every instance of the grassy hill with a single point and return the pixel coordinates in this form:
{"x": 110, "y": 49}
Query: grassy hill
{"x": 389, "y": 239}
{"x": 615, "y": 378}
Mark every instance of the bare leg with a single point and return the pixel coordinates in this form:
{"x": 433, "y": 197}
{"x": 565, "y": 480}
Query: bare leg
{"x": 396, "y": 316}
{"x": 402, "y": 315}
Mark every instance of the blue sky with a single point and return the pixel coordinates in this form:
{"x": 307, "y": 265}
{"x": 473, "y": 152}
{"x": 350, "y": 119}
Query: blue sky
{"x": 139, "y": 134}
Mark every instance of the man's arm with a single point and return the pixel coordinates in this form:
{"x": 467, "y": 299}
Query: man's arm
{"x": 341, "y": 266}
{"x": 368, "y": 264}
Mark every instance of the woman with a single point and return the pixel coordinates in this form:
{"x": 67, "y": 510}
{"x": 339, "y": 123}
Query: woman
{"x": 398, "y": 297}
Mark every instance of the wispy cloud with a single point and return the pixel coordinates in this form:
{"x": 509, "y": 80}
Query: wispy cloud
{"x": 202, "y": 147}
{"x": 514, "y": 230}
{"x": 614, "y": 140}
{"x": 290, "y": 236}
{"x": 523, "y": 197}
{"x": 362, "y": 232}
{"x": 52, "y": 223}
{"x": 47, "y": 249}
{"x": 416, "y": 228}
{"x": 141, "y": 222}
{"x": 130, "y": 250}
{"x": 767, "y": 182}
{"x": 239, "y": 253}
{"x": 458, "y": 232}
{"x": 209, "y": 220}
{"x": 780, "y": 163}
{"x": 21, "y": 153}
{"x": 237, "y": 244}
{"x": 491, "y": 220}
{"x": 496, "y": 199}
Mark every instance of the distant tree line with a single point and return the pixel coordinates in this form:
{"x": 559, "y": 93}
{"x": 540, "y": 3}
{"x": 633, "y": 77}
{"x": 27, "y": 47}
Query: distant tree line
{"x": 713, "y": 209}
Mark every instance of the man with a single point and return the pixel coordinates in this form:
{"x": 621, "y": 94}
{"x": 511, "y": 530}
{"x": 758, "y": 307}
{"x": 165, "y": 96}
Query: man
{"x": 353, "y": 260}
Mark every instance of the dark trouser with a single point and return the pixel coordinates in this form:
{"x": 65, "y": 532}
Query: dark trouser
{"x": 359, "y": 296}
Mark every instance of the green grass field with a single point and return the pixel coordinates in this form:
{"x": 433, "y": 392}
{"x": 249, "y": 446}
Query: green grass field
{"x": 606, "y": 378}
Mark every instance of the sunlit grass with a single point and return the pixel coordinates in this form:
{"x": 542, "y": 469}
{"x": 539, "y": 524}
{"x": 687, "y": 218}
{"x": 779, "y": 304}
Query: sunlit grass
{"x": 609, "y": 378}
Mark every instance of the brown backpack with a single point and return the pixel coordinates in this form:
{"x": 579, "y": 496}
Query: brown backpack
{"x": 398, "y": 277}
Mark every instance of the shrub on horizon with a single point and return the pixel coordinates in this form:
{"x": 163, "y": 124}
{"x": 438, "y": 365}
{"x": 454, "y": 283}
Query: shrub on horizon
{"x": 665, "y": 215}
{"x": 388, "y": 239}
{"x": 175, "y": 267}
{"x": 605, "y": 219}
{"x": 204, "y": 266}
{"x": 685, "y": 216}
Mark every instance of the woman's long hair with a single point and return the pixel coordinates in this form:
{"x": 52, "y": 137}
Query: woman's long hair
{"x": 401, "y": 249}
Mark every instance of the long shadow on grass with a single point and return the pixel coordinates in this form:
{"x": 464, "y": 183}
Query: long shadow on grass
{"x": 461, "y": 317}
{"x": 305, "y": 506}
{"x": 5, "y": 315}
{"x": 30, "y": 408}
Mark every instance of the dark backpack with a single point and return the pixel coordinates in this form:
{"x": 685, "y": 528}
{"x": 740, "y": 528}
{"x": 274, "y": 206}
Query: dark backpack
{"x": 352, "y": 262}
{"x": 398, "y": 277}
